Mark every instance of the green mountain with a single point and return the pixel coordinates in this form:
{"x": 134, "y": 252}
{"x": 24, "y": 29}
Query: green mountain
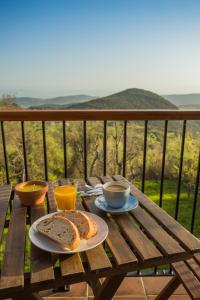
{"x": 64, "y": 100}
{"x": 127, "y": 99}
{"x": 192, "y": 100}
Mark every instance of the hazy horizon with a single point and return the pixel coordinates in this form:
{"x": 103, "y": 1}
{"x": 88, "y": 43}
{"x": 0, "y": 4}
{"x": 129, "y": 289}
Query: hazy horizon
{"x": 55, "y": 94}
{"x": 54, "y": 48}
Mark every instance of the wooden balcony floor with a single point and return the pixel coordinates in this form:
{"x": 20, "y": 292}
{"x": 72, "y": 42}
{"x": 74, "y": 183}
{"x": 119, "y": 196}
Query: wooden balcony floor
{"x": 145, "y": 288}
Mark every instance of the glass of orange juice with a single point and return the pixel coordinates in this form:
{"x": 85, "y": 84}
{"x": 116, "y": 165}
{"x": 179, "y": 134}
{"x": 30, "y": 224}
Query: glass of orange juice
{"x": 65, "y": 197}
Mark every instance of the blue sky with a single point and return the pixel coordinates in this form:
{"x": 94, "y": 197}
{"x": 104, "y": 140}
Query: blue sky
{"x": 61, "y": 47}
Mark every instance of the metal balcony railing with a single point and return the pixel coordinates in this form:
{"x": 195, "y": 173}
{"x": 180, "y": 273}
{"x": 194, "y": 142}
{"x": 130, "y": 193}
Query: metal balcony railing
{"x": 105, "y": 115}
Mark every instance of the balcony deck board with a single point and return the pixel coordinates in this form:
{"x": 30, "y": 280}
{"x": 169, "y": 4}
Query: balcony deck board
{"x": 12, "y": 272}
{"x": 5, "y": 193}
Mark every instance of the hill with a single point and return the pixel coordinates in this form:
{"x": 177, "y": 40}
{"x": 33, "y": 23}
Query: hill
{"x": 51, "y": 106}
{"x": 127, "y": 99}
{"x": 63, "y": 100}
{"x": 184, "y": 99}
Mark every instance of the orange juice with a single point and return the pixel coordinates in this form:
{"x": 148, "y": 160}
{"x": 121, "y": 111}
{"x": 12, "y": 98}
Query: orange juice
{"x": 65, "y": 197}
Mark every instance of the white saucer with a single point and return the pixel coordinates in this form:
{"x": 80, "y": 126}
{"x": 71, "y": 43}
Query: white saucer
{"x": 101, "y": 203}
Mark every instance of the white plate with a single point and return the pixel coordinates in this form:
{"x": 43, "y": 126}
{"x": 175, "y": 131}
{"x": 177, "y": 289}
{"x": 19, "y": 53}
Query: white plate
{"x": 47, "y": 244}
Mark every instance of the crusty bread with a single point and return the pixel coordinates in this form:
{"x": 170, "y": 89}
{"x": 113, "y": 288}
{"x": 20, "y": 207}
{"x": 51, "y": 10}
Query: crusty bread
{"x": 86, "y": 226}
{"x": 61, "y": 230}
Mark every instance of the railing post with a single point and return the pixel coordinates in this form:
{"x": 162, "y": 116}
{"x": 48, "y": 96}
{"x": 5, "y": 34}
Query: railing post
{"x": 45, "y": 151}
{"x": 85, "y": 148}
{"x": 124, "y": 149}
{"x": 195, "y": 195}
{"x": 104, "y": 147}
{"x": 24, "y": 150}
{"x": 5, "y": 152}
{"x": 144, "y": 154}
{"x": 163, "y": 162}
{"x": 180, "y": 169}
{"x": 64, "y": 149}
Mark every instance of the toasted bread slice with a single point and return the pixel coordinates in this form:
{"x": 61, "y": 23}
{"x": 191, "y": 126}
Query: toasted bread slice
{"x": 61, "y": 230}
{"x": 86, "y": 226}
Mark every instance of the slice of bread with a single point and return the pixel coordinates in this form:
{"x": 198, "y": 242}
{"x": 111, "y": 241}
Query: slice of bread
{"x": 61, "y": 230}
{"x": 86, "y": 226}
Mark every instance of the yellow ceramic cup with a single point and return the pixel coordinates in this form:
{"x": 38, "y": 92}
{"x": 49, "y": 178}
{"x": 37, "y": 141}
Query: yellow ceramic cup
{"x": 65, "y": 197}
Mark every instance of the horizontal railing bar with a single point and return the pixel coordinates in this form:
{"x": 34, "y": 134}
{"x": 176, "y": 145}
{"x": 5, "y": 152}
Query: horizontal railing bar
{"x": 101, "y": 115}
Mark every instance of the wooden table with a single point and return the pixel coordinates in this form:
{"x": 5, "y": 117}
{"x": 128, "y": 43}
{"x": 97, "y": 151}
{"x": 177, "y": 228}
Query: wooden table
{"x": 145, "y": 237}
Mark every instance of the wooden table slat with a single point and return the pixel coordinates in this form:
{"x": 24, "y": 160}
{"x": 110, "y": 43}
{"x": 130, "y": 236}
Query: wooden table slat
{"x": 93, "y": 181}
{"x": 106, "y": 178}
{"x": 194, "y": 266}
{"x": 97, "y": 257}
{"x": 40, "y": 261}
{"x": 5, "y": 193}
{"x": 52, "y": 206}
{"x": 138, "y": 239}
{"x": 12, "y": 273}
{"x": 164, "y": 241}
{"x": 70, "y": 264}
{"x": 181, "y": 234}
{"x": 190, "y": 282}
{"x": 197, "y": 257}
{"x": 116, "y": 243}
{"x": 135, "y": 236}
{"x": 118, "y": 246}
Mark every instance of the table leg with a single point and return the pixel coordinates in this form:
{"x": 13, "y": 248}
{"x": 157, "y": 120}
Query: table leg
{"x": 169, "y": 289}
{"x": 95, "y": 285}
{"x": 109, "y": 287}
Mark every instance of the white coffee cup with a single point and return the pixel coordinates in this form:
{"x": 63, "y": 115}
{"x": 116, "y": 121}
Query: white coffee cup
{"x": 116, "y": 193}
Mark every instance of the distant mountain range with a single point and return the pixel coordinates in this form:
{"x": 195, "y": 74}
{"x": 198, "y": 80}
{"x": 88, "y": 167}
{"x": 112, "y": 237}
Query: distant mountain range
{"x": 127, "y": 99}
{"x": 47, "y": 103}
{"x": 185, "y": 100}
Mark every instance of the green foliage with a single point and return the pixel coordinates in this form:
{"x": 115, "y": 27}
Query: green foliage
{"x": 7, "y": 102}
{"x": 75, "y": 155}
